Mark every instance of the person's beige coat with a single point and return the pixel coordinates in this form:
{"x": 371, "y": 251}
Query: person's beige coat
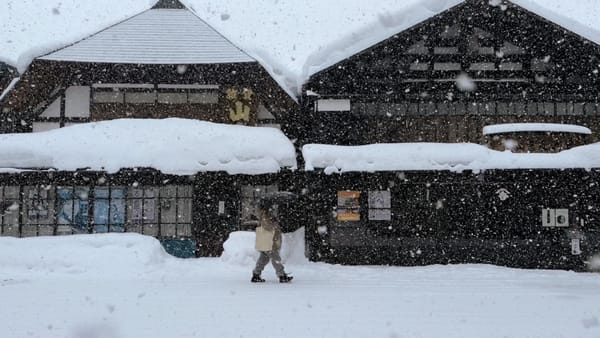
{"x": 268, "y": 233}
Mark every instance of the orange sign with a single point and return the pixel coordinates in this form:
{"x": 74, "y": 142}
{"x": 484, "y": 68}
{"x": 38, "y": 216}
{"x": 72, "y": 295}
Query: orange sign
{"x": 348, "y": 206}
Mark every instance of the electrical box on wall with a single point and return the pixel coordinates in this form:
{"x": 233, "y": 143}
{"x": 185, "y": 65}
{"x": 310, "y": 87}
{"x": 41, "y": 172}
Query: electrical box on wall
{"x": 555, "y": 218}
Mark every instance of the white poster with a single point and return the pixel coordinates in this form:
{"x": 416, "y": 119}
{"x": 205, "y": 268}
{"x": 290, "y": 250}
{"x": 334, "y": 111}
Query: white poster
{"x": 379, "y": 199}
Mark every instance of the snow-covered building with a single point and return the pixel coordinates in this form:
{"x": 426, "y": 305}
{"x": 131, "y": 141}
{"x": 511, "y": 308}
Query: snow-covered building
{"x": 163, "y": 62}
{"x": 186, "y": 182}
{"x": 406, "y": 123}
{"x": 471, "y": 72}
{"x": 476, "y": 63}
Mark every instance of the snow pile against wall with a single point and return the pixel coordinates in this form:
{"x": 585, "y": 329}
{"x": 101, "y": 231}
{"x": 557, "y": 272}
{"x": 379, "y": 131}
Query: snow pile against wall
{"x": 441, "y": 156}
{"x": 173, "y": 146}
{"x": 238, "y": 249}
{"x": 49, "y": 255}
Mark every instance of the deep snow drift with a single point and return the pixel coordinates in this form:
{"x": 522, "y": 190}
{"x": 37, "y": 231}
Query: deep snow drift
{"x": 125, "y": 285}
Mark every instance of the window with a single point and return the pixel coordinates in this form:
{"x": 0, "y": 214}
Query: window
{"x": 510, "y": 66}
{"x": 446, "y": 66}
{"x": 175, "y": 204}
{"x": 142, "y": 210}
{"x": 72, "y": 210}
{"x": 140, "y": 97}
{"x": 333, "y": 105}
{"x": 38, "y": 211}
{"x": 173, "y": 98}
{"x": 207, "y": 97}
{"x": 77, "y": 101}
{"x": 150, "y": 94}
{"x": 482, "y": 66}
{"x": 64, "y": 210}
{"x": 109, "y": 209}
{"x": 9, "y": 211}
{"x": 445, "y": 50}
{"x": 109, "y": 97}
{"x": 419, "y": 66}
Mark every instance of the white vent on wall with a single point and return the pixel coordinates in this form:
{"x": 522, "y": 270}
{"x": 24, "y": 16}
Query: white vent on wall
{"x": 333, "y": 105}
{"x": 77, "y": 101}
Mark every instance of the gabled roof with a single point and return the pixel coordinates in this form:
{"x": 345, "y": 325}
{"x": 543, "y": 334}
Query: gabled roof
{"x": 156, "y": 36}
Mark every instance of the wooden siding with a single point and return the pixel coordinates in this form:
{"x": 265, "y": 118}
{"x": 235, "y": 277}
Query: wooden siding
{"x": 45, "y": 81}
{"x": 523, "y": 68}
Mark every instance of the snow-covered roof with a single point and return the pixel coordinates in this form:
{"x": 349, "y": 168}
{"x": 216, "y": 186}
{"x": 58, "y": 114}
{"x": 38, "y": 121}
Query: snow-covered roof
{"x": 440, "y": 156}
{"x": 156, "y": 36}
{"x": 173, "y": 146}
{"x": 535, "y": 127}
{"x": 291, "y": 40}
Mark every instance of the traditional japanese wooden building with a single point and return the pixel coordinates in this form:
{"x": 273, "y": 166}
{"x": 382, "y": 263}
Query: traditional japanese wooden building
{"x": 478, "y": 63}
{"x": 164, "y": 62}
{"x": 481, "y": 72}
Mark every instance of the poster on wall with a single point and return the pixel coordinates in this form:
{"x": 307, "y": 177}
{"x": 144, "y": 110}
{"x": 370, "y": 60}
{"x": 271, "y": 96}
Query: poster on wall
{"x": 348, "y": 208}
{"x": 380, "y": 205}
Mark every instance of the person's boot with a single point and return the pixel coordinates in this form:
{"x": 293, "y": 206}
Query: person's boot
{"x": 285, "y": 278}
{"x": 257, "y": 279}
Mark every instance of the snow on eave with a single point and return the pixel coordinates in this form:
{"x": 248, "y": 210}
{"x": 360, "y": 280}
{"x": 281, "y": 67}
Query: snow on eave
{"x": 172, "y": 146}
{"x": 535, "y": 127}
{"x": 10, "y": 86}
{"x": 454, "y": 157}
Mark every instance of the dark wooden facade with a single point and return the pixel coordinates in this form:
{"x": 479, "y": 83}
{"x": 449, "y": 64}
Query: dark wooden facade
{"x": 446, "y": 78}
{"x": 226, "y": 93}
{"x": 493, "y": 217}
{"x": 191, "y": 215}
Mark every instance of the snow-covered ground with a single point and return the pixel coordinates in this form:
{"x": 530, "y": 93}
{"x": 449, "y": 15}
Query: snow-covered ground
{"x": 125, "y": 285}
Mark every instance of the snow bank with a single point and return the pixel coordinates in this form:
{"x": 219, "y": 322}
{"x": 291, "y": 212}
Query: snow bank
{"x": 173, "y": 146}
{"x": 82, "y": 254}
{"x": 441, "y": 156}
{"x": 239, "y": 248}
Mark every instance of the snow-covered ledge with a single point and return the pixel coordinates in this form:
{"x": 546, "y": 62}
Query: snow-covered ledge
{"x": 440, "y": 156}
{"x": 173, "y": 146}
{"x": 535, "y": 127}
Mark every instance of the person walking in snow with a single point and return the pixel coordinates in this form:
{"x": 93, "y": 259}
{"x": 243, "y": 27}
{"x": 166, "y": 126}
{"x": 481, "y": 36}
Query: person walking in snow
{"x": 268, "y": 243}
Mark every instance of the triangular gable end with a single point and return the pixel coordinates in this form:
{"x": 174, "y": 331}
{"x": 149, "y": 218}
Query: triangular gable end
{"x": 156, "y": 36}
{"x": 504, "y": 44}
